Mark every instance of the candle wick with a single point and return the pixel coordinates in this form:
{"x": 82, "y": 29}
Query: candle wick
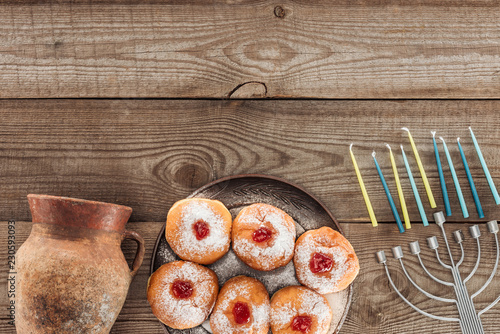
{"x": 373, "y": 154}
{"x": 350, "y": 147}
{"x": 458, "y": 139}
{"x": 406, "y": 129}
{"x": 433, "y": 134}
{"x": 442, "y": 139}
{"x": 388, "y": 146}
{"x": 401, "y": 147}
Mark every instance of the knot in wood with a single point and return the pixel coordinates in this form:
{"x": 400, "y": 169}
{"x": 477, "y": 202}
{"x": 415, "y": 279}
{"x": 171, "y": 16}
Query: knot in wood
{"x": 279, "y": 12}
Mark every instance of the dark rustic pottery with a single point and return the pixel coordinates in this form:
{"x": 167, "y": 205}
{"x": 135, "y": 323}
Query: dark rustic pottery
{"x": 72, "y": 276}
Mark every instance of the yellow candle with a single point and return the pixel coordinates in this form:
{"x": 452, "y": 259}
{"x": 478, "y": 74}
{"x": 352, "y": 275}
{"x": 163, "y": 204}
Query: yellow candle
{"x": 363, "y": 190}
{"x": 421, "y": 169}
{"x": 400, "y": 190}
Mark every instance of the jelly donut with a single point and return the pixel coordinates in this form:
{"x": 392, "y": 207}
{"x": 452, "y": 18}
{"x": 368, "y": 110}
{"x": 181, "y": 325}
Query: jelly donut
{"x": 182, "y": 294}
{"x": 199, "y": 230}
{"x": 297, "y": 309}
{"x": 242, "y": 307}
{"x": 325, "y": 261}
{"x": 263, "y": 237}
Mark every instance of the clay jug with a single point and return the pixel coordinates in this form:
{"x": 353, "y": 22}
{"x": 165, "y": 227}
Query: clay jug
{"x": 72, "y": 276}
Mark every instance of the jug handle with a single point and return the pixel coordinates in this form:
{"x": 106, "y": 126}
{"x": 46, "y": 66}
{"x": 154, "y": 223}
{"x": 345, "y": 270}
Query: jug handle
{"x": 139, "y": 255}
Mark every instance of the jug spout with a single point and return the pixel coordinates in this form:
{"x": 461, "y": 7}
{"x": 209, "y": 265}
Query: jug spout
{"x": 75, "y": 212}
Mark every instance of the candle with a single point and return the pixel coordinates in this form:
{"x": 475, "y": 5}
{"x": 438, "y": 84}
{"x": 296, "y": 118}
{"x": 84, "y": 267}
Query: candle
{"x": 415, "y": 190}
{"x": 389, "y": 196}
{"x": 363, "y": 189}
{"x": 400, "y": 189}
{"x": 441, "y": 176}
{"x": 485, "y": 168}
{"x": 471, "y": 182}
{"x": 422, "y": 171}
{"x": 455, "y": 180}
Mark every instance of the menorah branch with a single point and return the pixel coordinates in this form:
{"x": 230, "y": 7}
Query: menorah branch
{"x": 382, "y": 260}
{"x": 398, "y": 254}
{"x": 441, "y": 262}
{"x": 446, "y": 242}
{"x": 492, "y": 273}
{"x": 477, "y": 262}
{"x": 462, "y": 256}
{"x": 486, "y": 309}
{"x": 493, "y": 229}
{"x": 427, "y": 271}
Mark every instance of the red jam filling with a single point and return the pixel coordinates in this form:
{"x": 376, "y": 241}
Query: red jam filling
{"x": 182, "y": 289}
{"x": 241, "y": 313}
{"x": 302, "y": 323}
{"x": 262, "y": 234}
{"x": 201, "y": 229}
{"x": 320, "y": 263}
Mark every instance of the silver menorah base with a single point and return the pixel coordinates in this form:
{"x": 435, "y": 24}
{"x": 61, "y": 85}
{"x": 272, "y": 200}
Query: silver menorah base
{"x": 469, "y": 318}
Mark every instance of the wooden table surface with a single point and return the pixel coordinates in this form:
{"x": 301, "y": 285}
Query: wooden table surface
{"x": 142, "y": 102}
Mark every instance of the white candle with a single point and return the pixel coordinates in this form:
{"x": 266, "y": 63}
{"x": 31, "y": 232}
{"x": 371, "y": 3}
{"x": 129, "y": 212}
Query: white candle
{"x": 485, "y": 168}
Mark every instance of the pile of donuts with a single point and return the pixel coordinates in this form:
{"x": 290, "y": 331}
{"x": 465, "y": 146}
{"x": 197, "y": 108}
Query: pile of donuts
{"x": 183, "y": 294}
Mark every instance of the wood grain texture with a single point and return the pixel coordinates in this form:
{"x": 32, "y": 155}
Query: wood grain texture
{"x": 149, "y": 154}
{"x": 320, "y": 49}
{"x": 375, "y": 309}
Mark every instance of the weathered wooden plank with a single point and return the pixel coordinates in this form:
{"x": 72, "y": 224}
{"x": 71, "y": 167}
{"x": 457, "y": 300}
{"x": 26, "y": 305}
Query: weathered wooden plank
{"x": 375, "y": 308}
{"x": 148, "y": 154}
{"x": 346, "y": 49}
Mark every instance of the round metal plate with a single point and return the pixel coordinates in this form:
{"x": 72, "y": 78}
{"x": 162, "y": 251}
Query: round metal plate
{"x": 239, "y": 191}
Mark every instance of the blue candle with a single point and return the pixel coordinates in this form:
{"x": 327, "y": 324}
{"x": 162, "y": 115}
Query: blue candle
{"x": 446, "y": 200}
{"x": 485, "y": 168}
{"x": 471, "y": 182}
{"x": 415, "y": 190}
{"x": 465, "y": 212}
{"x": 389, "y": 196}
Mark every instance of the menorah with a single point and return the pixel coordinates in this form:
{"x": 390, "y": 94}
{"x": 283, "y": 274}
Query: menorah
{"x": 469, "y": 318}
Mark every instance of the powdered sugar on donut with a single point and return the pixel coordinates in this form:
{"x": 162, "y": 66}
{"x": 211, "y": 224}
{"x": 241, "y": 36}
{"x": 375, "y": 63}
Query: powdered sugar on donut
{"x": 218, "y": 238}
{"x": 323, "y": 282}
{"x": 283, "y": 242}
{"x": 194, "y": 309}
{"x": 307, "y": 303}
{"x": 259, "y": 313}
